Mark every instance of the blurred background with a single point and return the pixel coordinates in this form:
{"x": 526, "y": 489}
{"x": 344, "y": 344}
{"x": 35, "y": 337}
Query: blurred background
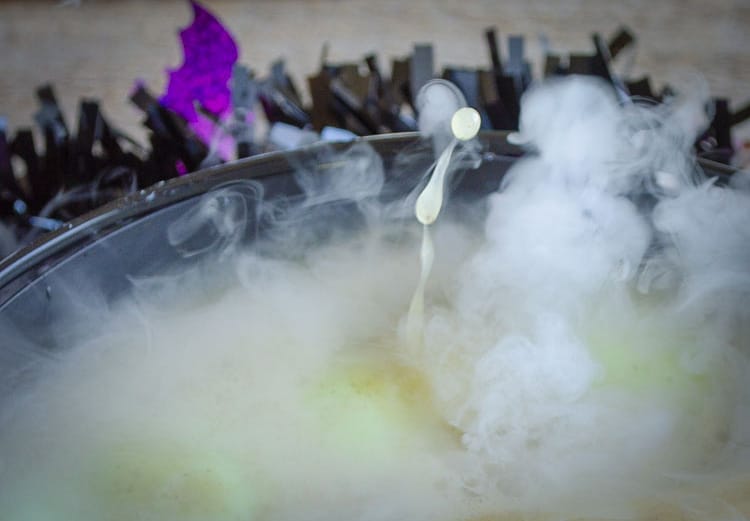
{"x": 98, "y": 48}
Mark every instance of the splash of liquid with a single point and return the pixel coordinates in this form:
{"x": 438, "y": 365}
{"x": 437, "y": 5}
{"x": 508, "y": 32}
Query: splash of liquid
{"x": 465, "y": 125}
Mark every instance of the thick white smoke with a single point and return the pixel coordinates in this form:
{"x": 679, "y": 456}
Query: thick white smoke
{"x": 585, "y": 353}
{"x": 601, "y": 327}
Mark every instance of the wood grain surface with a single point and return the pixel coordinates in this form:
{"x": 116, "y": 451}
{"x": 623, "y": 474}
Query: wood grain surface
{"x": 98, "y": 47}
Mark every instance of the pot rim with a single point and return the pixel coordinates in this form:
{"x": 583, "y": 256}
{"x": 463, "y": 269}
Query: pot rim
{"x": 111, "y": 216}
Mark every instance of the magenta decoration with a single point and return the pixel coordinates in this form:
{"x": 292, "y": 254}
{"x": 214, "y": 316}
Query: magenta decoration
{"x": 210, "y": 52}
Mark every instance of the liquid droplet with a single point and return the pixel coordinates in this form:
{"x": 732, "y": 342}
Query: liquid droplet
{"x": 465, "y": 124}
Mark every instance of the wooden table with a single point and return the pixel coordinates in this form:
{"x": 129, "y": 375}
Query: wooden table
{"x": 100, "y": 47}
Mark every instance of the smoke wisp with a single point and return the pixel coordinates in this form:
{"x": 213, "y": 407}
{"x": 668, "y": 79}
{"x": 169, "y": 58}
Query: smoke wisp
{"x": 585, "y": 349}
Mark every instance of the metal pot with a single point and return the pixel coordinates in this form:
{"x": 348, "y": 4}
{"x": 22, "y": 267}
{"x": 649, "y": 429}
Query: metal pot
{"x": 127, "y": 238}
